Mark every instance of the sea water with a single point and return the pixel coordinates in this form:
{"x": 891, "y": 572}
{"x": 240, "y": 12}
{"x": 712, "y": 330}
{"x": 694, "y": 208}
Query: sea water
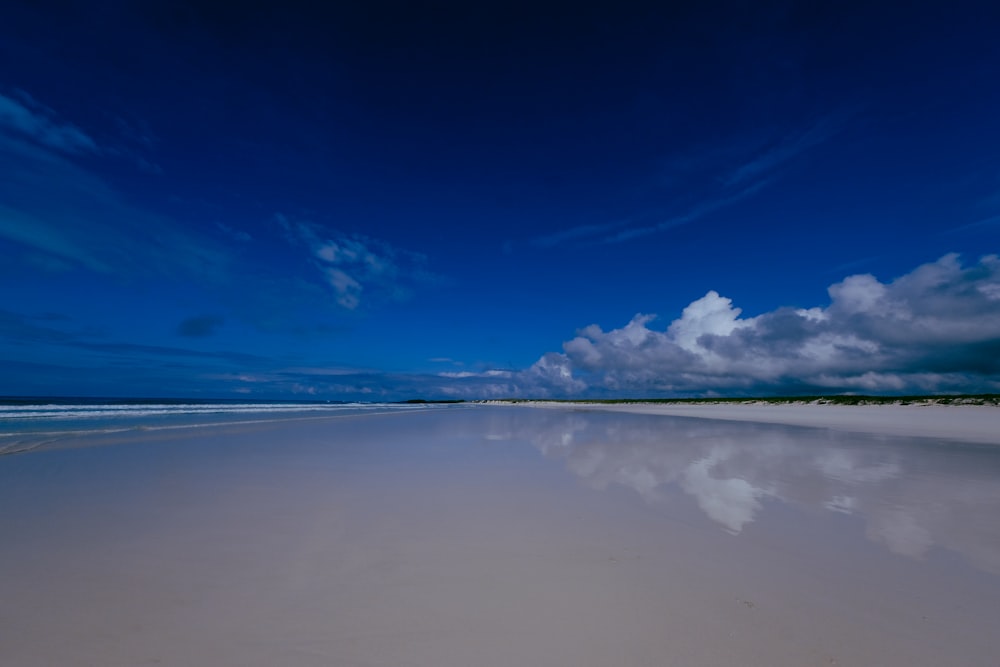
{"x": 30, "y": 423}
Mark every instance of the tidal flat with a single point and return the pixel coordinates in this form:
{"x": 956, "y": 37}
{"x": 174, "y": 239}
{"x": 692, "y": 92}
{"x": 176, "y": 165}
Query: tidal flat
{"x": 501, "y": 535}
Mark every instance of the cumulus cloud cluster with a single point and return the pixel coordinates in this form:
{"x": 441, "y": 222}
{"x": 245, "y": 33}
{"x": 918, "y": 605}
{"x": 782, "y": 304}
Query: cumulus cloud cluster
{"x": 352, "y": 265}
{"x": 936, "y": 328}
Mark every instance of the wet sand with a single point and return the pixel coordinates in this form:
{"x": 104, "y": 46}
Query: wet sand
{"x": 502, "y": 536}
{"x": 967, "y": 423}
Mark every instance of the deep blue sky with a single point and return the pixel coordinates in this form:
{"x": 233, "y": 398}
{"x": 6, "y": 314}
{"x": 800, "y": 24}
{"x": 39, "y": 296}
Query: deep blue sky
{"x": 384, "y": 200}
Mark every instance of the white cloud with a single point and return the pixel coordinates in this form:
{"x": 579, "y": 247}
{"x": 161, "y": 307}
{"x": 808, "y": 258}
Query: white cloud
{"x": 712, "y": 315}
{"x": 347, "y": 288}
{"x": 353, "y": 264}
{"x": 858, "y": 294}
{"x": 554, "y": 370}
{"x": 936, "y": 328}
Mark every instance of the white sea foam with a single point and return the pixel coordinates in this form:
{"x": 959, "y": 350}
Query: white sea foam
{"x": 25, "y": 427}
{"x": 84, "y": 411}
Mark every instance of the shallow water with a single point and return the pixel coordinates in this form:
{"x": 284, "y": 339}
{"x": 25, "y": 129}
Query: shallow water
{"x": 500, "y": 536}
{"x": 28, "y": 424}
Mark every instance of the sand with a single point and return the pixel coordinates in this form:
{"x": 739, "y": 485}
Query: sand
{"x": 497, "y": 536}
{"x": 966, "y": 423}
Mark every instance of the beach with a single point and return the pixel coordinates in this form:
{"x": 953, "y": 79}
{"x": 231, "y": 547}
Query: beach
{"x": 506, "y": 535}
{"x": 967, "y": 423}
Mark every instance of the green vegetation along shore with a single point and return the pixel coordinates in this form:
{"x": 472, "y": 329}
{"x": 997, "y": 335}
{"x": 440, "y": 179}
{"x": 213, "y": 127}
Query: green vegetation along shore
{"x": 951, "y": 399}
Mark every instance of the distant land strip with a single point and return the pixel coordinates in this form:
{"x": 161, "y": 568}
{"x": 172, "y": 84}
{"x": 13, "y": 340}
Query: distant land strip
{"x": 852, "y": 399}
{"x": 969, "y": 418}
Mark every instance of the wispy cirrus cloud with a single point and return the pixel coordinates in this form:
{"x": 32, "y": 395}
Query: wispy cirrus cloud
{"x": 59, "y": 245}
{"x": 58, "y": 214}
{"x": 742, "y": 170}
{"x": 22, "y": 115}
{"x": 574, "y": 233}
{"x": 695, "y": 213}
{"x": 18, "y": 328}
{"x": 787, "y": 148}
{"x": 358, "y": 267}
{"x": 989, "y": 224}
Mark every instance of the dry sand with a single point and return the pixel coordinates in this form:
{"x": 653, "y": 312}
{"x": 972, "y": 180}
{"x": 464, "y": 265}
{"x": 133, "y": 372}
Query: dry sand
{"x": 966, "y": 423}
{"x": 447, "y": 540}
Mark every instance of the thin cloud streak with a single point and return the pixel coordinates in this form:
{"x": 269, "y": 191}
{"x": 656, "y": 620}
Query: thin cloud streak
{"x": 73, "y": 218}
{"x": 34, "y": 232}
{"x": 28, "y": 118}
{"x": 790, "y": 147}
{"x": 573, "y": 234}
{"x": 694, "y": 214}
{"x": 735, "y": 185}
{"x": 752, "y": 176}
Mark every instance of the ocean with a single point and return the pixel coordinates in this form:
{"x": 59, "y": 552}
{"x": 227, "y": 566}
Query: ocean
{"x": 28, "y": 423}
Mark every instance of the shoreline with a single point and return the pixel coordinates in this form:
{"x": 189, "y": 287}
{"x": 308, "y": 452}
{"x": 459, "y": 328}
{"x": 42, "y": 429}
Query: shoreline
{"x": 966, "y": 423}
{"x": 585, "y": 536}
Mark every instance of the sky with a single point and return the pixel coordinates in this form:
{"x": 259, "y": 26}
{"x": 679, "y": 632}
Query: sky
{"x": 384, "y": 201}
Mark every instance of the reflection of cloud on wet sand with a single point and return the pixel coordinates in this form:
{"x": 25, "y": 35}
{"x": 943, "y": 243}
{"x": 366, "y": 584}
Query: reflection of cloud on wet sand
{"x": 913, "y": 495}
{"x": 954, "y": 507}
{"x": 732, "y": 501}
